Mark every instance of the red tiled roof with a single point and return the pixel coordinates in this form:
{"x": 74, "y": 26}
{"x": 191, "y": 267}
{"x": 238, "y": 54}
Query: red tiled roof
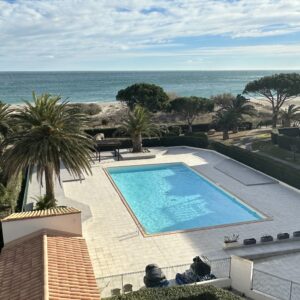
{"x": 70, "y": 272}
{"x": 47, "y": 266}
{"x": 57, "y": 211}
{"x": 22, "y": 270}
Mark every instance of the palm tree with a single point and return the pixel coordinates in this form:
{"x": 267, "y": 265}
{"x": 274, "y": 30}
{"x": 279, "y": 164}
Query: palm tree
{"x": 226, "y": 119}
{"x": 290, "y": 114}
{"x": 50, "y": 132}
{"x": 44, "y": 202}
{"x": 5, "y": 122}
{"x": 242, "y": 106}
{"x": 138, "y": 123}
{"x": 239, "y": 104}
{"x": 231, "y": 112}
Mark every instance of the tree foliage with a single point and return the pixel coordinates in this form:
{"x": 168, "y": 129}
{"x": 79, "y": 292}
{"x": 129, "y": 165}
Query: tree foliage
{"x": 227, "y": 119}
{"x": 290, "y": 115}
{"x": 276, "y": 89}
{"x": 231, "y": 113}
{"x": 138, "y": 123}
{"x": 44, "y": 202}
{"x": 5, "y": 122}
{"x": 191, "y": 107}
{"x": 50, "y": 132}
{"x": 147, "y": 95}
{"x": 223, "y": 100}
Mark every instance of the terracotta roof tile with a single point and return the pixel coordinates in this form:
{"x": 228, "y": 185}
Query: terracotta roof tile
{"x": 47, "y": 266}
{"x": 70, "y": 271}
{"x": 21, "y": 270}
{"x": 41, "y": 213}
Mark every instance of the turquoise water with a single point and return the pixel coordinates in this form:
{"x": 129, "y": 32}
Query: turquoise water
{"x": 103, "y": 86}
{"x": 170, "y": 197}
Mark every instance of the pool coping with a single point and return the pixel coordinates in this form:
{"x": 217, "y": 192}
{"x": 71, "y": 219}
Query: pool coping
{"x": 264, "y": 216}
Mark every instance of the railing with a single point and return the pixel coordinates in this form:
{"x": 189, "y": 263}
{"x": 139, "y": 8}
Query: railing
{"x": 121, "y": 283}
{"x": 275, "y": 286}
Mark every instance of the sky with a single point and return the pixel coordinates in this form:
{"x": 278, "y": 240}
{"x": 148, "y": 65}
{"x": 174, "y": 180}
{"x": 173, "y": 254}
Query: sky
{"x": 49, "y": 35}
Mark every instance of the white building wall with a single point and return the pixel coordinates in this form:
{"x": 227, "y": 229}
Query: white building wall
{"x": 241, "y": 278}
{"x": 14, "y": 229}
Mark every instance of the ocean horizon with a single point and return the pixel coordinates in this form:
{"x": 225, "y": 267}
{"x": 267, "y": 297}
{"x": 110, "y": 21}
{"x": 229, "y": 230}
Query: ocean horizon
{"x": 103, "y": 86}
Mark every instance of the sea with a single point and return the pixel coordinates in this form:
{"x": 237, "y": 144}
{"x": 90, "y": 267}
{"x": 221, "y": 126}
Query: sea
{"x": 15, "y": 87}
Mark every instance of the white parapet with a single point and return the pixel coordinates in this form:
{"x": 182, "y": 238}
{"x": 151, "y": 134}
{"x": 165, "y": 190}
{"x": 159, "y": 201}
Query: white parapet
{"x": 241, "y": 278}
{"x": 18, "y": 225}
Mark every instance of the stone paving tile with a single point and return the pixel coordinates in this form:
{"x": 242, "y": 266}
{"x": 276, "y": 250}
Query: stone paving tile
{"x": 116, "y": 246}
{"x": 282, "y": 266}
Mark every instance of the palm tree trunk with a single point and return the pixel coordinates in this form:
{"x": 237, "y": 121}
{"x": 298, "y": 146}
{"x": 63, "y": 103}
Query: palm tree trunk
{"x": 225, "y": 135}
{"x": 137, "y": 143}
{"x": 49, "y": 183}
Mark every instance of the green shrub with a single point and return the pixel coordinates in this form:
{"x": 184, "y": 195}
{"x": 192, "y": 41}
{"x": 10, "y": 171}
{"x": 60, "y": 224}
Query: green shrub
{"x": 199, "y": 142}
{"x": 196, "y": 134}
{"x": 167, "y": 141}
{"x": 292, "y": 131}
{"x": 274, "y": 136}
{"x": 264, "y": 164}
{"x": 287, "y": 142}
{"x": 104, "y": 122}
{"x": 187, "y": 292}
{"x": 174, "y": 131}
{"x": 87, "y": 108}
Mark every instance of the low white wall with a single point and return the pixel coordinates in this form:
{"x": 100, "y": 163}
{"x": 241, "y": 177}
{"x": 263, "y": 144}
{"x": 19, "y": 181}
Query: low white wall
{"x": 219, "y": 282}
{"x": 14, "y": 229}
{"x": 241, "y": 278}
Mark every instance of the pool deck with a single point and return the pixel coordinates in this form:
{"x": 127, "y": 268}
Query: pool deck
{"x": 115, "y": 243}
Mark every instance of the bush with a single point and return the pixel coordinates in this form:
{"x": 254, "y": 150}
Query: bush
{"x": 199, "y": 127}
{"x": 199, "y": 142}
{"x": 187, "y": 292}
{"x": 172, "y": 130}
{"x": 196, "y": 134}
{"x": 264, "y": 164}
{"x": 104, "y": 122}
{"x": 87, "y": 108}
{"x": 292, "y": 131}
{"x": 287, "y": 142}
{"x": 274, "y": 136}
{"x": 166, "y": 141}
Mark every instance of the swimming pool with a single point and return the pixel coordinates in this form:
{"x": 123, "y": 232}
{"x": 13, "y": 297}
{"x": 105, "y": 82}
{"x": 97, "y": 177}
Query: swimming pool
{"x": 173, "y": 197}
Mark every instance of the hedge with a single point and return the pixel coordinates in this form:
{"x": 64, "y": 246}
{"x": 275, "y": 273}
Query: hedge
{"x": 110, "y": 132}
{"x": 264, "y": 164}
{"x": 187, "y": 292}
{"x": 287, "y": 142}
{"x": 200, "y": 141}
{"x": 274, "y": 136}
{"x": 291, "y": 131}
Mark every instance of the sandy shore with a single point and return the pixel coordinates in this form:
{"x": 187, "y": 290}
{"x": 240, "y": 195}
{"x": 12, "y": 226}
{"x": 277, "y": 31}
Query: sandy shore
{"x": 111, "y": 113}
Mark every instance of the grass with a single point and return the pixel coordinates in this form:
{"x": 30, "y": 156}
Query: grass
{"x": 273, "y": 150}
{"x": 242, "y": 138}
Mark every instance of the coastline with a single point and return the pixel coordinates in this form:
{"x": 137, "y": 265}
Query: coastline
{"x": 111, "y": 113}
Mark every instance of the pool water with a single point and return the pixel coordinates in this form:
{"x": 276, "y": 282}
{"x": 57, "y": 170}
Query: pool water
{"x": 172, "y": 197}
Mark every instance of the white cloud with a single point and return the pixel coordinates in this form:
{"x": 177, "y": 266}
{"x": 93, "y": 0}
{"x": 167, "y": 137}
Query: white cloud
{"x": 95, "y": 28}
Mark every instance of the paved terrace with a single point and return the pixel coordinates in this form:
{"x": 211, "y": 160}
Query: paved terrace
{"x": 115, "y": 244}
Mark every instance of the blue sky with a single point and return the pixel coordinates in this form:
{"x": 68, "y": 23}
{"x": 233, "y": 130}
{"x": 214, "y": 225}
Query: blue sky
{"x": 149, "y": 34}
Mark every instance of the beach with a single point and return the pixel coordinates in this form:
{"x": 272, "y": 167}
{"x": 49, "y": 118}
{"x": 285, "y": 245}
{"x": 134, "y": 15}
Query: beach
{"x": 112, "y": 113}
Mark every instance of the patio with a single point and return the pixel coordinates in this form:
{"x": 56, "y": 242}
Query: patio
{"x": 115, "y": 244}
